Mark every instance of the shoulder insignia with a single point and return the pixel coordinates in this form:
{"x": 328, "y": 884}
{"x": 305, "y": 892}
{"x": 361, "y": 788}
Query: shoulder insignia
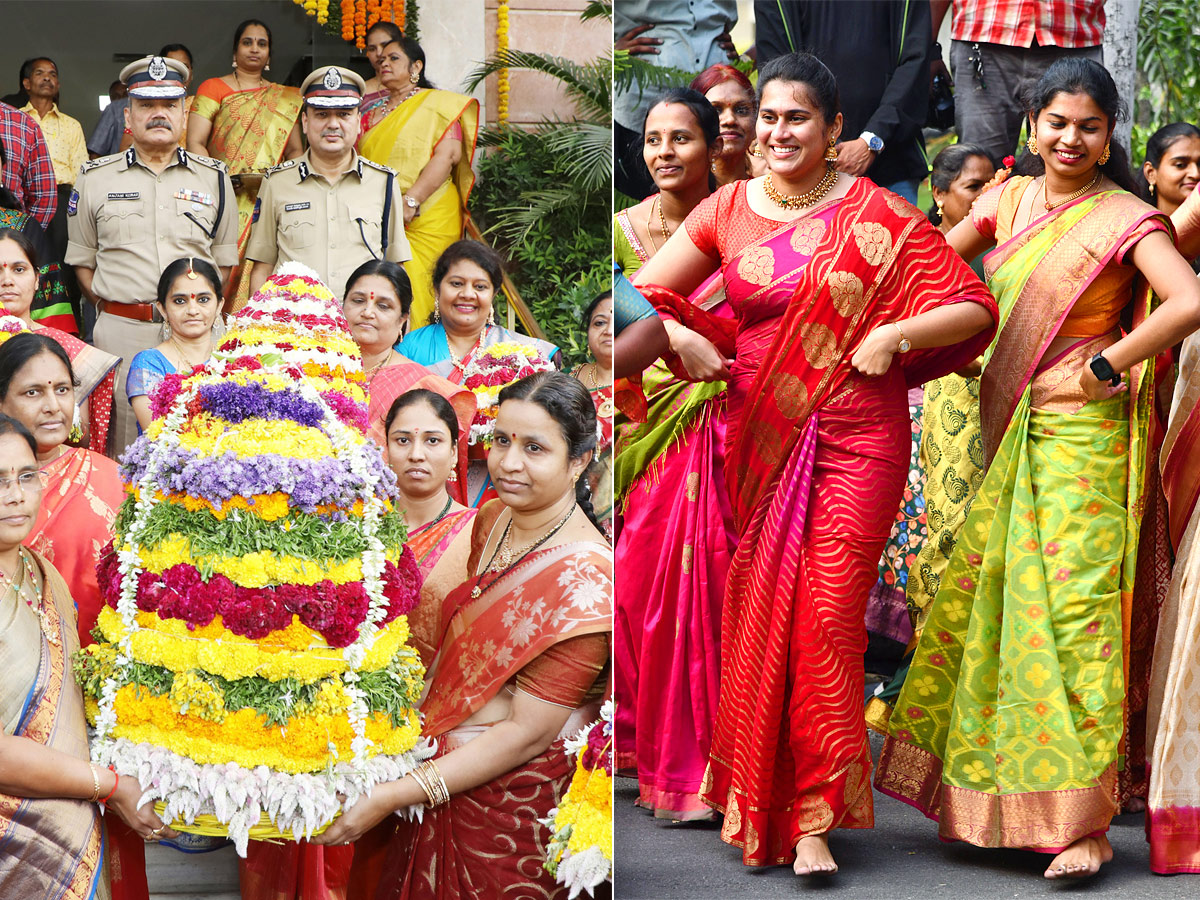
{"x": 257, "y": 210}
{"x": 208, "y": 161}
{"x": 283, "y": 165}
{"x": 73, "y": 203}
{"x": 375, "y": 165}
{"x": 100, "y": 161}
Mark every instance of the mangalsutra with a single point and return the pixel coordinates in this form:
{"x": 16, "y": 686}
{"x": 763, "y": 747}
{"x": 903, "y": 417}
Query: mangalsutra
{"x": 504, "y": 557}
{"x": 183, "y": 356}
{"x": 800, "y": 201}
{"x": 17, "y": 582}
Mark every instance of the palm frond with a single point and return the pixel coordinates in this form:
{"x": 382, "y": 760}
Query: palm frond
{"x": 597, "y": 9}
{"x": 587, "y": 84}
{"x": 513, "y": 223}
{"x": 585, "y": 150}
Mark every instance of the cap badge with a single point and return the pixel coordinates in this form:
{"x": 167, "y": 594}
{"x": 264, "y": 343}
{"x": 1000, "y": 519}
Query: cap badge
{"x": 158, "y": 68}
{"x": 333, "y": 80}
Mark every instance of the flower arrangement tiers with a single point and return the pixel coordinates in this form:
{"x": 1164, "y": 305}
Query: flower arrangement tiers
{"x": 253, "y": 668}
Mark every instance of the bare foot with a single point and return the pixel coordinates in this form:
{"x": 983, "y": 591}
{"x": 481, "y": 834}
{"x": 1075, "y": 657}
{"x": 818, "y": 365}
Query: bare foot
{"x": 1081, "y": 859}
{"x": 813, "y": 856}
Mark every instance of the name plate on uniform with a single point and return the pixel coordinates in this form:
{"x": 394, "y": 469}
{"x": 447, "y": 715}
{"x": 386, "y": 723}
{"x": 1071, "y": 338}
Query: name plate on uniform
{"x": 296, "y": 207}
{"x": 124, "y": 195}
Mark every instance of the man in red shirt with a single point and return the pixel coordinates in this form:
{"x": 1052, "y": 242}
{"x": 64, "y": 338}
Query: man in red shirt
{"x": 29, "y": 173}
{"x": 1000, "y": 49}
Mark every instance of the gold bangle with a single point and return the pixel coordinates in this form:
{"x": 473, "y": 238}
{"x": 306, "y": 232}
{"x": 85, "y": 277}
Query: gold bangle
{"x": 418, "y": 775}
{"x": 435, "y": 784}
{"x": 441, "y": 782}
{"x": 95, "y": 784}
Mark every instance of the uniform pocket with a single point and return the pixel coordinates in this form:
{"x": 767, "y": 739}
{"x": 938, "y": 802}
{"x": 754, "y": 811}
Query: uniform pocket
{"x": 298, "y": 229}
{"x": 121, "y": 222}
{"x": 195, "y": 221}
{"x": 369, "y": 219}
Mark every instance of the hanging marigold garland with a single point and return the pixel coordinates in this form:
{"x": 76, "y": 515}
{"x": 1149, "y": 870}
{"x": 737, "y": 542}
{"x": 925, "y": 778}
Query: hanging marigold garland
{"x": 502, "y": 85}
{"x": 353, "y": 18}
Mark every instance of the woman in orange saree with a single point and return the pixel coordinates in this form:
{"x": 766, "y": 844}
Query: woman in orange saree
{"x": 832, "y": 280}
{"x": 1016, "y": 717}
{"x": 248, "y": 123}
{"x": 520, "y": 665}
{"x": 50, "y": 827}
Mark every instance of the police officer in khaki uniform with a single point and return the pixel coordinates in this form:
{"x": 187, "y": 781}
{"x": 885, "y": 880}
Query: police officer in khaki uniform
{"x": 329, "y": 209}
{"x": 133, "y": 213}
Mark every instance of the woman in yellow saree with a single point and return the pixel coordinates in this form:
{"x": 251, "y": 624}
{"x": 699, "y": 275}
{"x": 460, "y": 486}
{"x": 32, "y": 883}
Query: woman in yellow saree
{"x": 249, "y": 124}
{"x": 428, "y": 137}
{"x": 1013, "y": 720}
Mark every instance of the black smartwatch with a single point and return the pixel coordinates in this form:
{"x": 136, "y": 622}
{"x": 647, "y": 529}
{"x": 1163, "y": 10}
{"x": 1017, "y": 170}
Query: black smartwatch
{"x": 1103, "y": 370}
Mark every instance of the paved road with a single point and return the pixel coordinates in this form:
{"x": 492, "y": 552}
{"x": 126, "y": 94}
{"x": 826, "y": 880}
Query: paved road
{"x": 901, "y": 859}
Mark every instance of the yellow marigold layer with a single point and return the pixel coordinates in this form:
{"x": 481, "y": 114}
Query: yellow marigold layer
{"x": 287, "y": 334}
{"x": 244, "y": 737}
{"x": 286, "y": 653}
{"x": 268, "y": 507}
{"x": 254, "y": 570}
{"x": 208, "y": 435}
{"x": 588, "y": 806}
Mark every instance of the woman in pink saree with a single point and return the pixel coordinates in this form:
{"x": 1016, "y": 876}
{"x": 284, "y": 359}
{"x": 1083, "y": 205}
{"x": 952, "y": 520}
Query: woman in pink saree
{"x": 831, "y": 280}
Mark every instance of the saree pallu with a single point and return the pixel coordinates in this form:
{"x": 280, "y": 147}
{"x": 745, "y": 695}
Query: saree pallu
{"x": 294, "y": 871}
{"x": 790, "y": 755}
{"x": 1011, "y": 725}
{"x": 432, "y": 544}
{"x": 392, "y": 381}
{"x": 48, "y": 847}
{"x": 1173, "y": 726}
{"x": 405, "y": 141}
{"x": 250, "y": 130}
{"x": 75, "y": 522}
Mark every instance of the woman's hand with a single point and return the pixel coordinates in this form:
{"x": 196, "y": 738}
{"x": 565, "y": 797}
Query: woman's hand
{"x": 410, "y": 213}
{"x": 1097, "y": 389}
{"x": 874, "y": 355}
{"x": 700, "y": 356}
{"x": 142, "y": 820}
{"x": 358, "y": 819}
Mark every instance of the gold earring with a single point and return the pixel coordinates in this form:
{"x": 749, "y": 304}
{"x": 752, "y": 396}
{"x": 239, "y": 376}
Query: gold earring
{"x": 941, "y": 213}
{"x": 414, "y": 77}
{"x": 1104, "y": 157}
{"x": 1032, "y": 144}
{"x": 437, "y": 313}
{"x": 453, "y": 476}
{"x": 491, "y": 320}
{"x": 831, "y": 153}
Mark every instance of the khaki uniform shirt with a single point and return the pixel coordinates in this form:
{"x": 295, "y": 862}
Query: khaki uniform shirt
{"x": 331, "y": 228}
{"x": 64, "y": 138}
{"x": 129, "y": 224}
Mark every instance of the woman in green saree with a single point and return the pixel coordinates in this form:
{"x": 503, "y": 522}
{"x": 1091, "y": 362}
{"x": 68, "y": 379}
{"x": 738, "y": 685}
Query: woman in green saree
{"x": 428, "y": 137}
{"x": 1010, "y": 726}
{"x": 250, "y": 124}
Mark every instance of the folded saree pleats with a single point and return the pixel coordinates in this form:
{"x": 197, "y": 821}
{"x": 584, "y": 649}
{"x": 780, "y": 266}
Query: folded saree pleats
{"x": 1009, "y": 724}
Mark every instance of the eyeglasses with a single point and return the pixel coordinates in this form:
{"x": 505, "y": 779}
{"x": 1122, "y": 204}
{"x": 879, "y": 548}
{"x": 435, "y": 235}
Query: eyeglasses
{"x": 28, "y": 482}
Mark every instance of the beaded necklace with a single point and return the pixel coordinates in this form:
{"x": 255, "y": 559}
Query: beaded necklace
{"x": 18, "y": 582}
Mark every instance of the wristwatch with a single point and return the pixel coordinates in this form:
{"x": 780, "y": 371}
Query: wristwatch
{"x": 411, "y": 202}
{"x": 905, "y": 344}
{"x": 874, "y": 142}
{"x": 1103, "y": 370}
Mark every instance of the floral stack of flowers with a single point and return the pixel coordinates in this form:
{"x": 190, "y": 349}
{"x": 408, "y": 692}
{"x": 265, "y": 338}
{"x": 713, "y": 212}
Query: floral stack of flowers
{"x": 254, "y": 662}
{"x": 580, "y": 852}
{"x": 10, "y": 325}
{"x": 490, "y": 370}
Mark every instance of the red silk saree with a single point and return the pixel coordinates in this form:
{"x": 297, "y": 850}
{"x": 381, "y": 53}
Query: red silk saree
{"x": 815, "y": 462}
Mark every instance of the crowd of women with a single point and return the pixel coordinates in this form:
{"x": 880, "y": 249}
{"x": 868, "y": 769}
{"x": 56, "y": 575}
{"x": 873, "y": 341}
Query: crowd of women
{"x": 488, "y": 530}
{"x": 781, "y": 477}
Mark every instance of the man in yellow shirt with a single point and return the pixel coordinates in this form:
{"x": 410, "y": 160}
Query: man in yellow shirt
{"x": 68, "y": 151}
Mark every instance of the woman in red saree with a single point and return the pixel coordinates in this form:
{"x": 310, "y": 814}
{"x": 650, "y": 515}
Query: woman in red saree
{"x": 520, "y": 665}
{"x": 422, "y": 448}
{"x": 95, "y": 369}
{"x": 250, "y": 124}
{"x": 50, "y": 826}
{"x": 832, "y": 280}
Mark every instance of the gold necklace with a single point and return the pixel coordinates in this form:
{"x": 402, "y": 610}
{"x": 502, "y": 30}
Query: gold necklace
{"x": 508, "y": 557}
{"x": 183, "y": 356}
{"x": 800, "y": 201}
{"x": 662, "y": 220}
{"x": 374, "y": 370}
{"x": 1067, "y": 199}
{"x": 261, "y": 80}
{"x": 649, "y": 227}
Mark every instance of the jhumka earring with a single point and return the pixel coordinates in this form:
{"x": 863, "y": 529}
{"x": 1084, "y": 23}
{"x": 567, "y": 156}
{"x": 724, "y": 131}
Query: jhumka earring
{"x": 453, "y": 476}
{"x": 1032, "y": 144}
{"x": 492, "y": 316}
{"x": 941, "y": 213}
{"x": 831, "y": 153}
{"x": 1104, "y": 157}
